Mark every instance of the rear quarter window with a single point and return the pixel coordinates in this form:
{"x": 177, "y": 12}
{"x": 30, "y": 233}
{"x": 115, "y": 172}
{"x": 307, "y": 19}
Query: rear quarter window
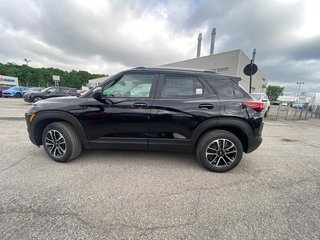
{"x": 226, "y": 88}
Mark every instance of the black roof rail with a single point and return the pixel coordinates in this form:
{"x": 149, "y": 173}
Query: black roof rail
{"x": 139, "y": 68}
{"x": 209, "y": 71}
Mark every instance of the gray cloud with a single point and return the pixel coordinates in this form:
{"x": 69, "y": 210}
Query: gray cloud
{"x": 107, "y": 36}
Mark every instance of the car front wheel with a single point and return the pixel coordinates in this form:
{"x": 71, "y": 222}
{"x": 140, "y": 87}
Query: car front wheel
{"x": 61, "y": 142}
{"x": 36, "y": 99}
{"x": 219, "y": 151}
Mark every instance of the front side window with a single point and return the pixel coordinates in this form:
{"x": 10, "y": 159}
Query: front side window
{"x": 52, "y": 90}
{"x": 129, "y": 85}
{"x": 176, "y": 86}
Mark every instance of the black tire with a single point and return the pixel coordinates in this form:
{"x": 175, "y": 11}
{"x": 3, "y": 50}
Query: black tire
{"x": 72, "y": 145}
{"x": 18, "y": 95}
{"x": 36, "y": 99}
{"x": 219, "y": 160}
{"x": 266, "y": 113}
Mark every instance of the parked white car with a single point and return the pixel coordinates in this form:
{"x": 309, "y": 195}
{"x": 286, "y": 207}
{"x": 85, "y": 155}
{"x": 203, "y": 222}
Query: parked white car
{"x": 262, "y": 97}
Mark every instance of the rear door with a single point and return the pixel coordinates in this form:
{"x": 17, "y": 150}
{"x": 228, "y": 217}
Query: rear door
{"x": 181, "y": 104}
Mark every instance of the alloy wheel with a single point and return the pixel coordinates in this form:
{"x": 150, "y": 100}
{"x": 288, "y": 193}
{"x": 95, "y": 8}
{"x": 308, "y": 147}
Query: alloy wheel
{"x": 55, "y": 143}
{"x": 221, "y": 152}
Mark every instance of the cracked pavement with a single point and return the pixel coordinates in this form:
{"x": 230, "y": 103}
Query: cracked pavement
{"x": 274, "y": 193}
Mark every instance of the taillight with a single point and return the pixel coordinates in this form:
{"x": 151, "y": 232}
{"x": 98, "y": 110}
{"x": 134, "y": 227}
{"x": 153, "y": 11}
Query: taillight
{"x": 257, "y": 106}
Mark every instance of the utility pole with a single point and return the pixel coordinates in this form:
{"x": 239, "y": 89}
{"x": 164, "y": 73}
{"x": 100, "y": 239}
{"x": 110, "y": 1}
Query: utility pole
{"x": 251, "y": 70}
{"x": 27, "y": 61}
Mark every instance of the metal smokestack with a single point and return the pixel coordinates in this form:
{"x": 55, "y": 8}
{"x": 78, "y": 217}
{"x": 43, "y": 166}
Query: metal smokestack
{"x": 199, "y": 45}
{"x": 213, "y": 39}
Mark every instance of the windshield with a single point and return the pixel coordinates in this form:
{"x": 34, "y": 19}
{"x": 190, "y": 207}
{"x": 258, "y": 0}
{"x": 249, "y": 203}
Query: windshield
{"x": 46, "y": 89}
{"x": 15, "y": 88}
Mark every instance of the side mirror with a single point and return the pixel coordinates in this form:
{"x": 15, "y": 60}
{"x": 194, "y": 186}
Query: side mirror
{"x": 265, "y": 100}
{"x": 97, "y": 94}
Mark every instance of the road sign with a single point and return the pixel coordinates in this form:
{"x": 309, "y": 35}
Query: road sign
{"x": 247, "y": 69}
{"x": 56, "y": 78}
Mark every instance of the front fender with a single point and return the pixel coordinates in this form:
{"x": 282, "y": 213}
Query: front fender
{"x": 43, "y": 118}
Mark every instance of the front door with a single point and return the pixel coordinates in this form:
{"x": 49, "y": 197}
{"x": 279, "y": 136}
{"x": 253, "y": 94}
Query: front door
{"x": 125, "y": 122}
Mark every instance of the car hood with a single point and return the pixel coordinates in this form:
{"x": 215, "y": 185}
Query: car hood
{"x": 9, "y": 91}
{"x": 59, "y": 103}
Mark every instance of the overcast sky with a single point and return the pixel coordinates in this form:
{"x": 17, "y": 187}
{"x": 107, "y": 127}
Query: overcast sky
{"x": 103, "y": 36}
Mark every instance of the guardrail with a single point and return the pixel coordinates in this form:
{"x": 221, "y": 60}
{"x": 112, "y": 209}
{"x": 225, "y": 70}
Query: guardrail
{"x": 297, "y": 113}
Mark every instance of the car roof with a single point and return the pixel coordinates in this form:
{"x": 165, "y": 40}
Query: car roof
{"x": 188, "y": 71}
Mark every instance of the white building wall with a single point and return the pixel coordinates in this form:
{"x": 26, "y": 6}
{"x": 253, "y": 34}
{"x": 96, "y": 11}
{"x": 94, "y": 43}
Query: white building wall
{"x": 224, "y": 63}
{"x": 92, "y": 83}
{"x": 227, "y": 63}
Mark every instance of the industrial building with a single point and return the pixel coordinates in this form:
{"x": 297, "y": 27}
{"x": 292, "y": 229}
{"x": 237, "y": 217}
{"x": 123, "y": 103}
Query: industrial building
{"x": 229, "y": 63}
{"x": 92, "y": 83}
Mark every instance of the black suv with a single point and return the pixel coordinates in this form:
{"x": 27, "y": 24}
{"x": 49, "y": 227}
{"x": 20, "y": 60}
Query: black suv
{"x": 156, "y": 109}
{"x": 49, "y": 92}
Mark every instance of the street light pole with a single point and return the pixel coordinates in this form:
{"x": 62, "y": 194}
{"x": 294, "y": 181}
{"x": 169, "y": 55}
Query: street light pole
{"x": 299, "y": 86}
{"x": 27, "y": 61}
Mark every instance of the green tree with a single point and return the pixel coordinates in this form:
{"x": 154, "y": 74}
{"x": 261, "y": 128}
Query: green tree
{"x": 43, "y": 76}
{"x": 274, "y": 92}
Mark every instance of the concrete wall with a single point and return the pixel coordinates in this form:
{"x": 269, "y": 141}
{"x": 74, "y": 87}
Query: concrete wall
{"x": 223, "y": 63}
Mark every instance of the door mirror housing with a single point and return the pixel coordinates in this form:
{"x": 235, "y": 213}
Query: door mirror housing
{"x": 97, "y": 95}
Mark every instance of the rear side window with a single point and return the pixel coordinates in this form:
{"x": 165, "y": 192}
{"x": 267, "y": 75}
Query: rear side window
{"x": 182, "y": 86}
{"x": 226, "y": 88}
{"x": 63, "y": 91}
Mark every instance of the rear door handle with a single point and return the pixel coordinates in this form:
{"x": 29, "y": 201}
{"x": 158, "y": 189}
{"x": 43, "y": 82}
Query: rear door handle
{"x": 140, "y": 105}
{"x": 206, "y": 105}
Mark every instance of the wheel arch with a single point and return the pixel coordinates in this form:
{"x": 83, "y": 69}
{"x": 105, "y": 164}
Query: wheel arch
{"x": 44, "y": 118}
{"x": 237, "y": 126}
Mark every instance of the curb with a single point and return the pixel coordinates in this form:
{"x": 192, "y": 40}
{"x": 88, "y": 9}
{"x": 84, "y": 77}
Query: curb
{"x": 12, "y": 118}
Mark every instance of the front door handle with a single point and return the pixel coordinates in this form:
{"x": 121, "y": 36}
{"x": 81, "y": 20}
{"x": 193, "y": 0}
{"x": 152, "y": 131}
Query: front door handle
{"x": 140, "y": 105}
{"x": 206, "y": 105}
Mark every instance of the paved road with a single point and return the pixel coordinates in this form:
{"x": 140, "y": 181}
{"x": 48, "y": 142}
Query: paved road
{"x": 13, "y": 108}
{"x": 273, "y": 194}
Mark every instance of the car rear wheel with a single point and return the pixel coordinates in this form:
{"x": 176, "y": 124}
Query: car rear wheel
{"x": 18, "y": 95}
{"x": 219, "y": 151}
{"x": 61, "y": 142}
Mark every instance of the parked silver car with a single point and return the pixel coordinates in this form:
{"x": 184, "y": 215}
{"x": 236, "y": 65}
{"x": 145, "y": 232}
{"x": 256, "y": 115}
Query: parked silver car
{"x": 262, "y": 97}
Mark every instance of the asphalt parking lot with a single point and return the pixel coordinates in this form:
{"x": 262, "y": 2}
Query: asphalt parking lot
{"x": 274, "y": 193}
